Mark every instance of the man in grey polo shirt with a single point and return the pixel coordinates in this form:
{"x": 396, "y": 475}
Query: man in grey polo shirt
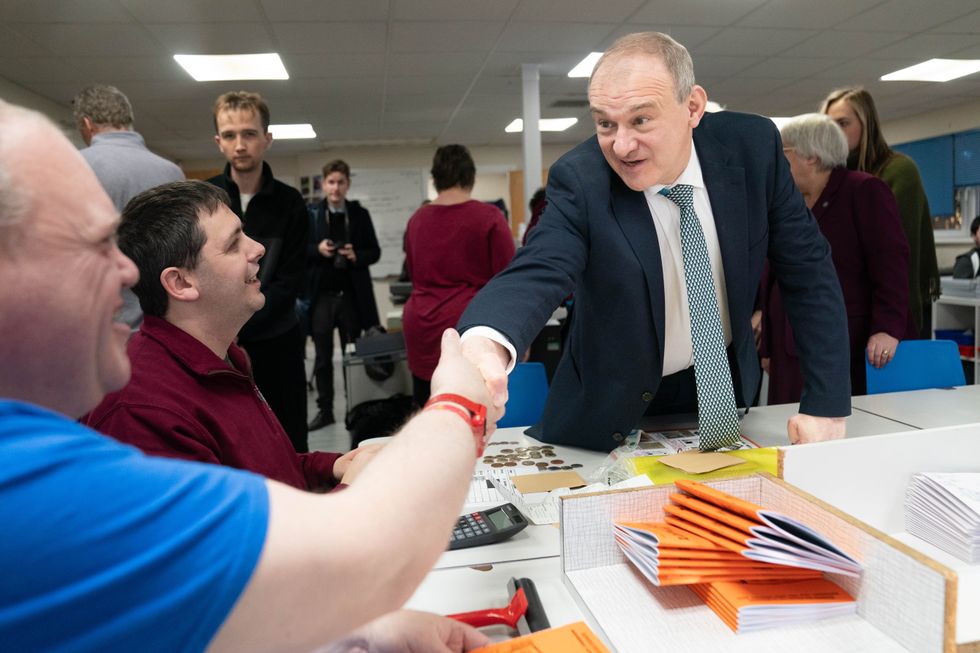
{"x": 119, "y": 158}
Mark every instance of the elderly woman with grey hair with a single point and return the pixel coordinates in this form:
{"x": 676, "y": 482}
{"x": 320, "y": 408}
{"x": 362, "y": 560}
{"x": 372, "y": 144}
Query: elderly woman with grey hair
{"x": 858, "y": 216}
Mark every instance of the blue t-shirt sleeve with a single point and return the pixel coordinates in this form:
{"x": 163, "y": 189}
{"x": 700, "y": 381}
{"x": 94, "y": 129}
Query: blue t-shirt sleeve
{"x": 106, "y": 549}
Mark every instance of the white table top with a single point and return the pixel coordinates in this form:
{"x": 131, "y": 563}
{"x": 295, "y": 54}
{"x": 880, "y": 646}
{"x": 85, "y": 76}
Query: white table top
{"x": 766, "y": 425}
{"x": 448, "y": 591}
{"x": 925, "y": 409}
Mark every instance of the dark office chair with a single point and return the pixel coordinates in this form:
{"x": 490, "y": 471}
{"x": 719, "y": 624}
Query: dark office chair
{"x": 527, "y": 389}
{"x": 918, "y": 364}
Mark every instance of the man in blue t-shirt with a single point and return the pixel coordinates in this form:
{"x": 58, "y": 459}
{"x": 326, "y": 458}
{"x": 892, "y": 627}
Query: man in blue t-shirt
{"x": 105, "y": 549}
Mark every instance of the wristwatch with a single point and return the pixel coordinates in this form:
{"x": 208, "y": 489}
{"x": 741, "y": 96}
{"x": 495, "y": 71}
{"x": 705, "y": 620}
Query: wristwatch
{"x": 474, "y": 413}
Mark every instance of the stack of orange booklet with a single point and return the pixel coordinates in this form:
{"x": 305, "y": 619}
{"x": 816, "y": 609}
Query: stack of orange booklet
{"x": 739, "y": 557}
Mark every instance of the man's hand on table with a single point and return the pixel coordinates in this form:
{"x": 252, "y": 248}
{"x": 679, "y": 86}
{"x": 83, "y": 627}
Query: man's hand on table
{"x": 809, "y": 428}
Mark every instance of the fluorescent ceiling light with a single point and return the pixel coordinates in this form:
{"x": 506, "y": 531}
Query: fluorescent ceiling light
{"x": 220, "y": 67}
{"x": 934, "y": 70}
{"x": 780, "y": 120}
{"x": 584, "y": 67}
{"x": 280, "y": 132}
{"x": 544, "y": 124}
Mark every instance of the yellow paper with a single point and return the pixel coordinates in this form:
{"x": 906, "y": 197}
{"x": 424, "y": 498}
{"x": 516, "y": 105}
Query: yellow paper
{"x": 755, "y": 460}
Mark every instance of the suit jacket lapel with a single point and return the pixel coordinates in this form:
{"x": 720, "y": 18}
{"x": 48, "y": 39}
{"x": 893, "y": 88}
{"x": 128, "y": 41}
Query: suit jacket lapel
{"x": 630, "y": 210}
{"x": 726, "y": 190}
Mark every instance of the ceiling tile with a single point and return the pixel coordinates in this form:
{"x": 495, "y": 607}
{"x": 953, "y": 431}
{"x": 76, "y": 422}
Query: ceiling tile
{"x": 790, "y": 67}
{"x": 211, "y": 11}
{"x": 806, "y": 14}
{"x": 39, "y": 69}
{"x": 59, "y": 11}
{"x": 15, "y": 44}
{"x": 924, "y": 46}
{"x": 426, "y": 84}
{"x": 695, "y": 12}
{"x": 550, "y": 63}
{"x": 898, "y": 15}
{"x": 837, "y": 43}
{"x": 752, "y": 41}
{"x": 119, "y": 70}
{"x": 213, "y": 38}
{"x": 862, "y": 70}
{"x": 333, "y": 11}
{"x": 450, "y": 36}
{"x": 559, "y": 37}
{"x": 968, "y": 24}
{"x": 689, "y": 36}
{"x": 586, "y": 11}
{"x": 718, "y": 66}
{"x": 414, "y": 103}
{"x": 453, "y": 10}
{"x": 336, "y": 64}
{"x": 409, "y": 64}
{"x": 93, "y": 39}
{"x": 325, "y": 38}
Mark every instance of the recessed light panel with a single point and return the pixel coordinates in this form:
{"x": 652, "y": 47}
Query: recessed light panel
{"x": 223, "y": 67}
{"x": 934, "y": 70}
{"x": 281, "y": 132}
{"x": 585, "y": 66}
{"x": 545, "y": 125}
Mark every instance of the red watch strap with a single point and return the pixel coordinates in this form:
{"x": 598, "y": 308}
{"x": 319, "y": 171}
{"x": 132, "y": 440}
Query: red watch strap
{"x": 471, "y": 411}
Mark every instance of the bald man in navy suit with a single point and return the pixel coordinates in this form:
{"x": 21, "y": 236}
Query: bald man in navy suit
{"x": 609, "y": 236}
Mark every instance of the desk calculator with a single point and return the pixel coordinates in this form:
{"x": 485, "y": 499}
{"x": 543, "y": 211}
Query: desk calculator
{"x": 487, "y": 527}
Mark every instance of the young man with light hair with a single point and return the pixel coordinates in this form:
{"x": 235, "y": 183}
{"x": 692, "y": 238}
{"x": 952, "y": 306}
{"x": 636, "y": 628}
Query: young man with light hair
{"x": 274, "y": 215}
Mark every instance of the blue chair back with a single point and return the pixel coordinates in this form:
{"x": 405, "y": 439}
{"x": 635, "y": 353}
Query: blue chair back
{"x": 527, "y": 390}
{"x": 918, "y": 364}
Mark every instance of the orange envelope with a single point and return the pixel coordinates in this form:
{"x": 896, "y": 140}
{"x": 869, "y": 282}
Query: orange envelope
{"x": 573, "y": 638}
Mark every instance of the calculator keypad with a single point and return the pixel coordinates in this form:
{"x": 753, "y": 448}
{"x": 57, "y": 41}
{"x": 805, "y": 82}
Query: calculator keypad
{"x": 469, "y": 526}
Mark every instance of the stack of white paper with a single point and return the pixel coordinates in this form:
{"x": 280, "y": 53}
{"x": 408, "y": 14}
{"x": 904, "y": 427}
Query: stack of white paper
{"x": 944, "y": 510}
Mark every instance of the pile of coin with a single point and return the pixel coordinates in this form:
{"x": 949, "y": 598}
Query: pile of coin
{"x": 541, "y": 458}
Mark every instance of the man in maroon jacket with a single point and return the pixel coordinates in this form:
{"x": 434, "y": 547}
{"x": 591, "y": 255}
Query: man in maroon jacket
{"x": 192, "y": 394}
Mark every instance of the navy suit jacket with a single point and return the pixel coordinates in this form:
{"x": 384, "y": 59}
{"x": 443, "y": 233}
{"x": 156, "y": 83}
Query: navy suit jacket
{"x": 597, "y": 238}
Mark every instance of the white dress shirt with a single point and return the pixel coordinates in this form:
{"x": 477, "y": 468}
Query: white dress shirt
{"x": 678, "y": 353}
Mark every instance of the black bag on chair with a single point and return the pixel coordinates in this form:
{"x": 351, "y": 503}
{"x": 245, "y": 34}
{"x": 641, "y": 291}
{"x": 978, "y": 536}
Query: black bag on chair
{"x": 379, "y": 417}
{"x": 372, "y": 345}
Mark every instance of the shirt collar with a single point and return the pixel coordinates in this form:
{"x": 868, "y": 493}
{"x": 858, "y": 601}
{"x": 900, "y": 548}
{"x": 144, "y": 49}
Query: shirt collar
{"x": 691, "y": 175}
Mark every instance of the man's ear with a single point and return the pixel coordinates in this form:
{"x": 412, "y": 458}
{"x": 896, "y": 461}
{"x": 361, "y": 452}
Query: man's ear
{"x": 697, "y": 102}
{"x": 179, "y": 285}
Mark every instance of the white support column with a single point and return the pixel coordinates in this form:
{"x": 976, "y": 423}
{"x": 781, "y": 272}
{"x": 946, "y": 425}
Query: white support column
{"x": 532, "y": 133}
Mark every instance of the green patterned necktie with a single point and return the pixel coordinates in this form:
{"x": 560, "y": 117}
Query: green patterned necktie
{"x": 717, "y": 414}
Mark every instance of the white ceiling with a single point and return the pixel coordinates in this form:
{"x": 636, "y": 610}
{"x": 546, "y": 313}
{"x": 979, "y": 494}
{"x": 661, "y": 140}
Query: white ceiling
{"x": 439, "y": 71}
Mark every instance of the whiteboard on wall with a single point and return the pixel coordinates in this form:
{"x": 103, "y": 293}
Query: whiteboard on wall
{"x": 391, "y": 196}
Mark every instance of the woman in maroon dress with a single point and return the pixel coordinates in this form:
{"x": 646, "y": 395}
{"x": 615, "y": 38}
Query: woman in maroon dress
{"x": 858, "y": 216}
{"x": 453, "y": 247}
